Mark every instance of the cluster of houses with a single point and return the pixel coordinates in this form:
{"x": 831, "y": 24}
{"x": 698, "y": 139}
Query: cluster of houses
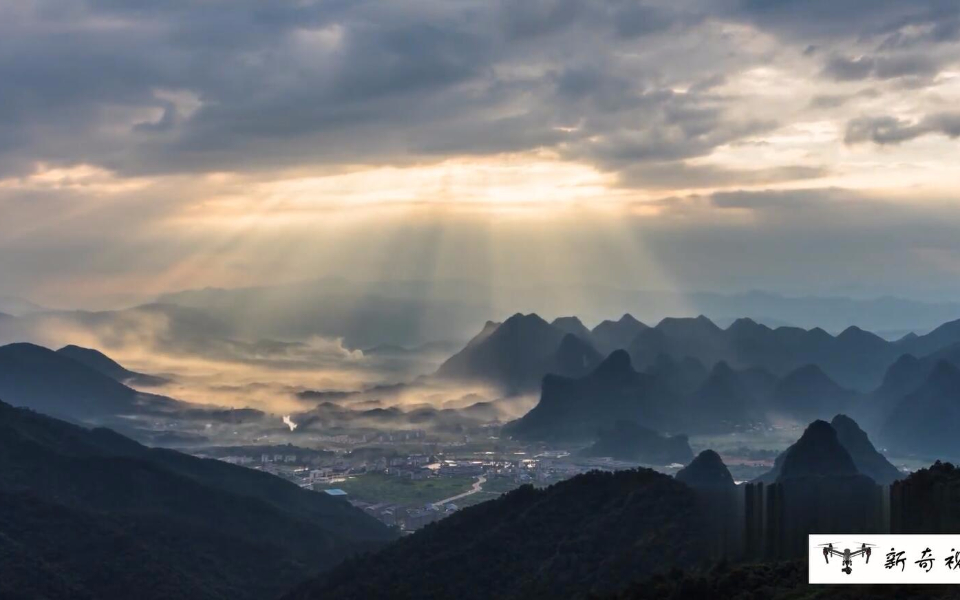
{"x": 406, "y": 518}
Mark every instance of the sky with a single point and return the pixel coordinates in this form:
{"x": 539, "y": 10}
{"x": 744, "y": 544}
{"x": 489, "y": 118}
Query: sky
{"x": 798, "y": 146}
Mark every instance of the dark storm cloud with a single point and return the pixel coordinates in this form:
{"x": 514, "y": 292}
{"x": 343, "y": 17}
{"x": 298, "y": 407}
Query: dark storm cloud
{"x": 886, "y": 130}
{"x": 173, "y": 86}
{"x": 852, "y": 19}
{"x": 682, "y": 175}
{"x": 188, "y": 86}
{"x": 917, "y": 66}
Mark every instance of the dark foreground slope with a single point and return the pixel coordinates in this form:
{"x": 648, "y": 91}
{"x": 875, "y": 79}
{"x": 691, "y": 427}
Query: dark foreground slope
{"x": 91, "y": 514}
{"x": 767, "y": 581}
{"x": 593, "y": 533}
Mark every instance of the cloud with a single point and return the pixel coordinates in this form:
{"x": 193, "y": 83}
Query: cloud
{"x": 194, "y": 87}
{"x": 151, "y": 146}
{"x": 886, "y": 130}
{"x": 916, "y": 66}
{"x": 692, "y": 176}
{"x": 851, "y": 19}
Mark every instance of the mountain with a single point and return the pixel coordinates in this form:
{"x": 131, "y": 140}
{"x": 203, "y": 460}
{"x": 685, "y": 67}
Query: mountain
{"x": 410, "y": 312}
{"x": 574, "y": 357}
{"x": 903, "y": 377}
{"x": 575, "y": 326}
{"x": 616, "y": 335}
{"x": 720, "y": 502}
{"x": 855, "y": 358}
{"x": 515, "y": 355}
{"x": 576, "y": 409}
{"x": 853, "y": 441}
{"x": 934, "y": 490}
{"x": 808, "y": 393}
{"x": 817, "y": 453}
{"x": 943, "y": 336}
{"x": 706, "y": 471}
{"x": 11, "y": 305}
{"x": 723, "y": 402}
{"x": 46, "y": 381}
{"x": 626, "y": 440}
{"x": 925, "y": 422}
{"x": 99, "y": 361}
{"x": 92, "y": 514}
{"x": 582, "y": 536}
{"x": 682, "y": 377}
{"x": 865, "y": 456}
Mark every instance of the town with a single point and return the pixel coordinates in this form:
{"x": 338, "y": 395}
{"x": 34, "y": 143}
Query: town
{"x": 409, "y": 479}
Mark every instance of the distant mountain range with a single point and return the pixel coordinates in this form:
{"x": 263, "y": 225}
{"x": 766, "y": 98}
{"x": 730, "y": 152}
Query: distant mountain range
{"x": 578, "y": 409}
{"x": 519, "y": 352}
{"x": 691, "y": 376}
{"x": 412, "y": 312}
{"x": 90, "y": 514}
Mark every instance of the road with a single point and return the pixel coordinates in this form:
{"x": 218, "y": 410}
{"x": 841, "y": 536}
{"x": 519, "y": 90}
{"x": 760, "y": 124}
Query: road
{"x": 477, "y": 487}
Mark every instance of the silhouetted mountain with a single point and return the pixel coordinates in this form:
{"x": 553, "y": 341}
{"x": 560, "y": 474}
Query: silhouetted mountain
{"x": 515, "y": 355}
{"x": 807, "y": 393}
{"x": 719, "y": 501}
{"x": 92, "y": 514}
{"x": 589, "y": 534}
{"x": 866, "y": 458}
{"x": 854, "y": 358}
{"x": 817, "y": 453}
{"x": 904, "y": 377}
{"x": 678, "y": 338}
{"x": 681, "y": 377}
{"x": 853, "y": 441}
{"x": 628, "y": 441}
{"x": 577, "y": 409}
{"x": 926, "y": 421}
{"x": 43, "y": 380}
{"x": 706, "y": 471}
{"x": 99, "y": 361}
{"x": 616, "y": 335}
{"x": 722, "y": 402}
{"x": 575, "y": 326}
{"x": 574, "y": 358}
{"x": 943, "y": 336}
{"x": 817, "y": 489}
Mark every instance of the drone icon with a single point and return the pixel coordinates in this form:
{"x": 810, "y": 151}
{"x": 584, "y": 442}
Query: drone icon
{"x": 847, "y": 555}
